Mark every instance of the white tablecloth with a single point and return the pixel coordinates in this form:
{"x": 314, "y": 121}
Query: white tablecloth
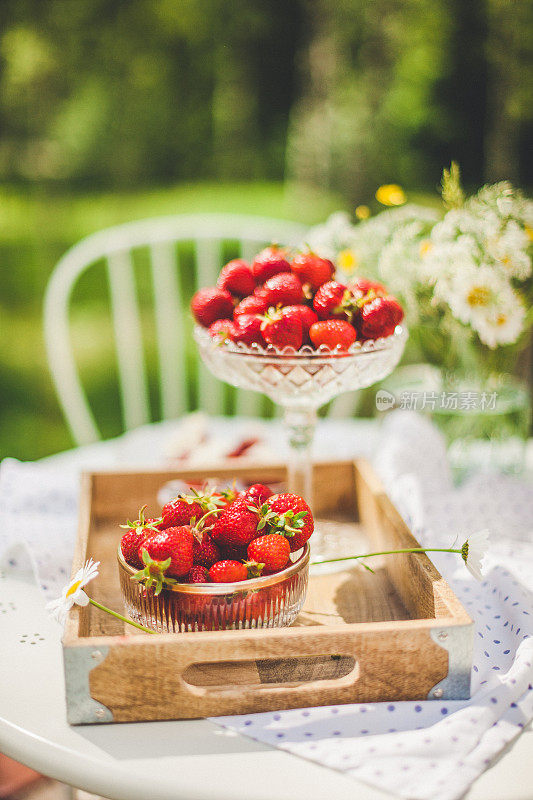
{"x": 417, "y": 750}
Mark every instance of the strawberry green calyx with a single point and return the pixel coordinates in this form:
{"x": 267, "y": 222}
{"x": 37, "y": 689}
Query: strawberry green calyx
{"x": 142, "y": 524}
{"x": 289, "y": 523}
{"x": 272, "y": 314}
{"x": 266, "y": 516}
{"x": 153, "y": 574}
{"x": 207, "y": 502}
{"x": 349, "y": 305}
{"x": 366, "y": 298}
{"x": 255, "y": 568}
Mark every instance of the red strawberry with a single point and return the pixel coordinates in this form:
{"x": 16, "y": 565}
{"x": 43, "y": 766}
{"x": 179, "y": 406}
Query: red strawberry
{"x": 166, "y": 555}
{"x": 362, "y": 286}
{"x": 236, "y": 277}
{"x": 307, "y": 316}
{"x": 210, "y": 304}
{"x": 197, "y": 574}
{"x": 255, "y": 304}
{"x": 205, "y": 552}
{"x": 228, "y": 572}
{"x": 272, "y": 551}
{"x": 312, "y": 269}
{"x": 136, "y": 533}
{"x": 182, "y": 510}
{"x": 328, "y": 300}
{"x": 282, "y": 328}
{"x": 258, "y": 493}
{"x": 129, "y": 546}
{"x": 285, "y": 289}
{"x": 270, "y": 262}
{"x": 222, "y": 329}
{"x": 333, "y": 333}
{"x": 291, "y": 516}
{"x": 247, "y": 329}
{"x": 237, "y": 525}
{"x": 379, "y": 317}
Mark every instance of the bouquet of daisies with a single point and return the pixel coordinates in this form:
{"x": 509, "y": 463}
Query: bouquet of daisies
{"x": 464, "y": 278}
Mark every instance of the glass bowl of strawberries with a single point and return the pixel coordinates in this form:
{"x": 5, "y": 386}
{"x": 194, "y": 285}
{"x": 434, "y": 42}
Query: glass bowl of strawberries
{"x": 285, "y": 327}
{"x": 217, "y": 560}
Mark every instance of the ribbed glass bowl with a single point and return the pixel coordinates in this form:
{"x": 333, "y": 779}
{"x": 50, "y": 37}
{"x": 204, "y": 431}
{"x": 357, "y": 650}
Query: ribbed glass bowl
{"x": 272, "y": 601}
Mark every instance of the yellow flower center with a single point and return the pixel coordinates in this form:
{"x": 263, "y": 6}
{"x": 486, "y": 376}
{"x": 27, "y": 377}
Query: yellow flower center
{"x": 74, "y": 588}
{"x": 478, "y": 296}
{"x": 529, "y": 232}
{"x": 501, "y": 319}
{"x": 425, "y": 247}
{"x": 390, "y": 194}
{"x": 347, "y": 261}
{"x": 362, "y": 212}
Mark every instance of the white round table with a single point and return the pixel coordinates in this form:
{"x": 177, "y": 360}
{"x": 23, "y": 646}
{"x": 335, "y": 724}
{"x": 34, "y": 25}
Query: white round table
{"x": 190, "y": 760}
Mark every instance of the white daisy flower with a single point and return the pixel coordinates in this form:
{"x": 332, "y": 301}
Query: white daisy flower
{"x": 480, "y": 297}
{"x": 474, "y": 551}
{"x": 509, "y": 249}
{"x": 73, "y": 593}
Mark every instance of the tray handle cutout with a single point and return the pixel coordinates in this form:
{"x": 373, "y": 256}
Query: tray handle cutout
{"x": 288, "y": 680}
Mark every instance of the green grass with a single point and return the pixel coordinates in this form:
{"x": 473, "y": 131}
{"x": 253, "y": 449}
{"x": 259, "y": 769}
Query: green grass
{"x": 36, "y": 228}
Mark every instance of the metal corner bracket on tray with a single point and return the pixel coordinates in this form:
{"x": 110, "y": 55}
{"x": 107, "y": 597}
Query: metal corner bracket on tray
{"x": 458, "y": 640}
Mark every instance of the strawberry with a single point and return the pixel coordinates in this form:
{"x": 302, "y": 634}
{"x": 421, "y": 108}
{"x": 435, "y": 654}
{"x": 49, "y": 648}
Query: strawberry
{"x": 270, "y": 262}
{"x": 211, "y": 304}
{"x": 166, "y": 555}
{"x": 247, "y": 329}
{"x": 186, "y": 507}
{"x": 379, "y": 317}
{"x": 289, "y": 514}
{"x": 181, "y": 511}
{"x": 312, "y": 269}
{"x": 222, "y": 329}
{"x": 237, "y": 278}
{"x": 228, "y": 572}
{"x": 268, "y": 553}
{"x": 307, "y": 316}
{"x": 282, "y": 328}
{"x": 362, "y": 286}
{"x": 284, "y": 288}
{"x": 258, "y": 493}
{"x": 197, "y": 574}
{"x": 238, "y": 524}
{"x": 136, "y": 533}
{"x": 333, "y": 333}
{"x": 328, "y": 300}
{"x": 255, "y": 304}
{"x": 205, "y": 552}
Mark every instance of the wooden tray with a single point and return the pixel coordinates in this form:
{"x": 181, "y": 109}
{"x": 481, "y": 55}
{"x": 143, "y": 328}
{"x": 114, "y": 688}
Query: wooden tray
{"x": 397, "y": 634}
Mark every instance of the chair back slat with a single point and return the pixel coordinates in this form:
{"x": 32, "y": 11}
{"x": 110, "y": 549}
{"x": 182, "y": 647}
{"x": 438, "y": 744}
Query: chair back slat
{"x": 250, "y": 248}
{"x": 168, "y": 313}
{"x": 128, "y": 340}
{"x": 208, "y": 261}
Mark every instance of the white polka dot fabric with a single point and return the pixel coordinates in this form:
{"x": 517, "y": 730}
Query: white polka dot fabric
{"x": 417, "y": 749}
{"x": 433, "y": 749}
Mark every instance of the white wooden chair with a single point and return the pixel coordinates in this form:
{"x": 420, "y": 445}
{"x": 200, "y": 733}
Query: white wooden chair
{"x": 116, "y": 246}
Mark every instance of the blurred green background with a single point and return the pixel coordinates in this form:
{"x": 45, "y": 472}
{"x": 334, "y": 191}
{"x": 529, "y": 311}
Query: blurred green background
{"x": 116, "y": 110}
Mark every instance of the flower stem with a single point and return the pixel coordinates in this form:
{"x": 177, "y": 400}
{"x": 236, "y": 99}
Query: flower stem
{"x": 119, "y": 616}
{"x": 389, "y": 552}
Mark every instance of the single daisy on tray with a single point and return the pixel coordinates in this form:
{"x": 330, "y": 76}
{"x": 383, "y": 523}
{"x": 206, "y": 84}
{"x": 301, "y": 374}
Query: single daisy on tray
{"x": 474, "y": 551}
{"x": 72, "y": 593}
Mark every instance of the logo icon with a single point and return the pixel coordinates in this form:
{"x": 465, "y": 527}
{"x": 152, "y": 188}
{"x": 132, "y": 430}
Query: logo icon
{"x": 384, "y": 400}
